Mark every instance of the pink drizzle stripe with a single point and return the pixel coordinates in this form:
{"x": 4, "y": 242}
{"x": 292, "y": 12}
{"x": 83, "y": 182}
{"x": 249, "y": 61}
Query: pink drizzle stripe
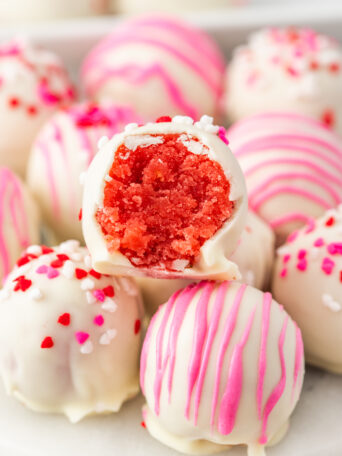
{"x": 232, "y": 395}
{"x": 10, "y": 193}
{"x": 214, "y": 322}
{"x": 138, "y": 75}
{"x": 298, "y": 359}
{"x": 199, "y": 336}
{"x": 227, "y": 334}
{"x": 278, "y": 390}
{"x": 266, "y": 309}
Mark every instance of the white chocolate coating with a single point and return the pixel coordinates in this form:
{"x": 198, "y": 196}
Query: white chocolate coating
{"x": 222, "y": 364}
{"x": 213, "y": 260}
{"x": 43, "y": 10}
{"x": 33, "y": 85}
{"x": 159, "y": 65}
{"x": 253, "y": 256}
{"x": 61, "y": 154}
{"x": 290, "y": 70}
{"x": 68, "y": 345}
{"x": 292, "y": 166}
{"x": 19, "y": 220}
{"x": 307, "y": 281}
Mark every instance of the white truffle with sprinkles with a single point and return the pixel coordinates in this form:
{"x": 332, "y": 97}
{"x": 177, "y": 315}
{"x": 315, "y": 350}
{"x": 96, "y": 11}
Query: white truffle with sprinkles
{"x": 69, "y": 336}
{"x": 166, "y": 199}
{"x": 308, "y": 282}
{"x": 295, "y": 70}
{"x": 222, "y": 364}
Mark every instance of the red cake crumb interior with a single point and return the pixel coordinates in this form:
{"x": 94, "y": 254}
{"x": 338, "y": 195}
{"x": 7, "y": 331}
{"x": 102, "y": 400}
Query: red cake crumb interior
{"x": 162, "y": 203}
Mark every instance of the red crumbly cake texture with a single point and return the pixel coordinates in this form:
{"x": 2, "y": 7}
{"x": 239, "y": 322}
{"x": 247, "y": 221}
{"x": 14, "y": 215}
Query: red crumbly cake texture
{"x": 163, "y": 203}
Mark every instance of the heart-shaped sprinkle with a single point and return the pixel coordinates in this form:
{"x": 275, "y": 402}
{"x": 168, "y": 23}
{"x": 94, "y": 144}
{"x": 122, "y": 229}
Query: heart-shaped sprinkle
{"x": 80, "y": 273}
{"x": 81, "y": 337}
{"x": 42, "y": 269}
{"x": 95, "y": 274}
{"x": 47, "y": 342}
{"x": 52, "y": 273}
{"x": 137, "y": 326}
{"x": 109, "y": 291}
{"x": 98, "y": 320}
{"x": 99, "y": 295}
{"x": 64, "y": 319}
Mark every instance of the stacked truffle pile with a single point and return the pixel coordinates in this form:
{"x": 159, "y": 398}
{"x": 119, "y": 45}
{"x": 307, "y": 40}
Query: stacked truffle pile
{"x": 141, "y": 174}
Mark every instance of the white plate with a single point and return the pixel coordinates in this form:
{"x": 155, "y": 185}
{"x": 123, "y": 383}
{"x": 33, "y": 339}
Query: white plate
{"x": 314, "y": 428}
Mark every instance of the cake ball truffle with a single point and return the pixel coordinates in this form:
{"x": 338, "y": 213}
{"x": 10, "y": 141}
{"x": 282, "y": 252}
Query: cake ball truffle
{"x": 253, "y": 256}
{"x": 69, "y": 336}
{"x": 165, "y": 200}
{"x": 33, "y": 84}
{"x": 158, "y": 65}
{"x": 293, "y": 168}
{"x": 222, "y": 364}
{"x": 61, "y": 154}
{"x": 308, "y": 282}
{"x": 295, "y": 70}
{"x": 19, "y": 220}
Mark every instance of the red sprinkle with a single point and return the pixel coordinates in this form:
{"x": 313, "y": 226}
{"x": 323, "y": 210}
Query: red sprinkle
{"x": 63, "y": 257}
{"x": 26, "y": 259}
{"x": 143, "y": 424}
{"x": 46, "y": 250}
{"x": 32, "y": 110}
{"x": 64, "y": 319}
{"x": 57, "y": 263}
{"x": 80, "y": 215}
{"x": 341, "y": 276}
{"x": 80, "y": 273}
{"x": 137, "y": 326}
{"x": 328, "y": 118}
{"x": 330, "y": 221}
{"x": 163, "y": 119}
{"x": 95, "y": 274}
{"x": 13, "y": 102}
{"x": 47, "y": 342}
{"x": 22, "y": 284}
{"x": 314, "y": 65}
{"x": 334, "y": 67}
{"x": 108, "y": 291}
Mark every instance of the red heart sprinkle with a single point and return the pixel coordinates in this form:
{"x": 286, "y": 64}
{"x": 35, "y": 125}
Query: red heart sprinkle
{"x": 108, "y": 291}
{"x": 163, "y": 119}
{"x": 80, "y": 273}
{"x": 64, "y": 319}
{"x": 137, "y": 326}
{"x": 56, "y": 263}
{"x": 95, "y": 274}
{"x": 22, "y": 283}
{"x": 330, "y": 221}
{"x": 47, "y": 342}
{"x": 46, "y": 250}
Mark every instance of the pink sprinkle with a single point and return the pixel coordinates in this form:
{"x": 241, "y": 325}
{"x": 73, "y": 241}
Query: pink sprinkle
{"x": 52, "y": 273}
{"x": 42, "y": 269}
{"x": 292, "y": 71}
{"x": 301, "y": 254}
{"x": 286, "y": 258}
{"x": 99, "y": 295}
{"x": 302, "y": 265}
{"x": 293, "y": 236}
{"x": 81, "y": 337}
{"x": 327, "y": 265}
{"x": 252, "y": 78}
{"x": 98, "y": 320}
{"x": 335, "y": 248}
{"x": 319, "y": 242}
{"x": 222, "y": 134}
{"x": 283, "y": 272}
{"x": 47, "y": 96}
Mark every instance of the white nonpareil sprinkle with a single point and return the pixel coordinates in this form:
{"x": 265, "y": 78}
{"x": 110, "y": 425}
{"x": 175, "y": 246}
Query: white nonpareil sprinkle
{"x": 87, "y": 284}
{"x": 208, "y": 120}
{"x": 108, "y": 336}
{"x": 68, "y": 269}
{"x": 82, "y": 177}
{"x": 109, "y": 304}
{"x": 77, "y": 256}
{"x": 211, "y": 129}
{"x": 70, "y": 246}
{"x": 87, "y": 347}
{"x": 25, "y": 268}
{"x": 102, "y": 142}
{"x": 133, "y": 142}
{"x": 87, "y": 261}
{"x": 108, "y": 178}
{"x": 130, "y": 127}
{"x": 34, "y": 249}
{"x": 330, "y": 302}
{"x": 90, "y": 298}
{"x": 35, "y": 294}
{"x": 186, "y": 120}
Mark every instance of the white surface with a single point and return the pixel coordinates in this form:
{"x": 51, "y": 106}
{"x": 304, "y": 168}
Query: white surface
{"x": 313, "y": 428}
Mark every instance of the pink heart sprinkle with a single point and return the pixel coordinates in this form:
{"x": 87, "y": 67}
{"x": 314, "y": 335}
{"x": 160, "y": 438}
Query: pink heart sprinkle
{"x": 302, "y": 265}
{"x": 81, "y": 337}
{"x": 327, "y": 265}
{"x": 335, "y": 248}
{"x": 42, "y": 269}
{"x": 319, "y": 242}
{"x": 98, "y": 320}
{"x": 286, "y": 258}
{"x": 52, "y": 273}
{"x": 283, "y": 273}
{"x": 99, "y": 295}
